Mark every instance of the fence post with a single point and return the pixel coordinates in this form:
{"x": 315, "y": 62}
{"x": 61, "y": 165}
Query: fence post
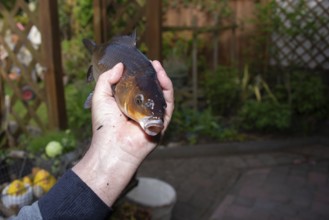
{"x": 100, "y": 21}
{"x": 2, "y": 94}
{"x": 153, "y": 34}
{"x": 51, "y": 50}
{"x": 215, "y": 36}
{"x": 194, "y": 62}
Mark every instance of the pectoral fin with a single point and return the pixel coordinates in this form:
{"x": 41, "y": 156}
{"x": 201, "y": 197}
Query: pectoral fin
{"x": 87, "y": 104}
{"x": 90, "y": 76}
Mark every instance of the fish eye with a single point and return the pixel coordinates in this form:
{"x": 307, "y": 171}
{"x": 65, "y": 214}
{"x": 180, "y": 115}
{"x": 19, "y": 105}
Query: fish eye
{"x": 139, "y": 99}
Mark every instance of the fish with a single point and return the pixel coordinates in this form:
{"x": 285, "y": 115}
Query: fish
{"x": 138, "y": 93}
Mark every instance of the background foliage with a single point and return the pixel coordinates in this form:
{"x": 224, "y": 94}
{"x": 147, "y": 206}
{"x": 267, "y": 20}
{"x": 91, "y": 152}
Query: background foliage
{"x": 233, "y": 101}
{"x": 290, "y": 99}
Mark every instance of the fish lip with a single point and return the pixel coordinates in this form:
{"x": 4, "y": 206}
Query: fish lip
{"x": 152, "y": 126}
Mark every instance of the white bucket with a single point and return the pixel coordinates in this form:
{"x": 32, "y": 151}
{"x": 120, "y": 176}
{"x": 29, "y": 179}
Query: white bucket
{"x": 156, "y": 195}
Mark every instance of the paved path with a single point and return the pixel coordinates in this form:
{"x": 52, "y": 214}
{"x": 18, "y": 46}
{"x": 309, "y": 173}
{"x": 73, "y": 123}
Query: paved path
{"x": 292, "y": 183}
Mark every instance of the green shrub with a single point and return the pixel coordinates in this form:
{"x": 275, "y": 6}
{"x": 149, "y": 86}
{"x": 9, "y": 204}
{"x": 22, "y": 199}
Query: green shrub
{"x": 37, "y": 144}
{"x": 195, "y": 126}
{"x": 309, "y": 95}
{"x": 264, "y": 116}
{"x": 76, "y": 58}
{"x": 222, "y": 90}
{"x": 79, "y": 118}
{"x": 309, "y": 101}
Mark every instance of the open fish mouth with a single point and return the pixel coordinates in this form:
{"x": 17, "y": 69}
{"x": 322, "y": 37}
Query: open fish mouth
{"x": 152, "y": 126}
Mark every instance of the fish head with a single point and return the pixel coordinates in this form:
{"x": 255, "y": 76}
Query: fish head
{"x": 143, "y": 102}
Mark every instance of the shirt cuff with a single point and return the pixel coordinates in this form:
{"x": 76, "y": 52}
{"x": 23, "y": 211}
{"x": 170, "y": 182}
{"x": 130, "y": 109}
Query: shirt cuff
{"x": 71, "y": 198}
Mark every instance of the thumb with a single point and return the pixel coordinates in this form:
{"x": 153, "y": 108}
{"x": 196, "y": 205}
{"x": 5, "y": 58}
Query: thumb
{"x": 107, "y": 79}
{"x": 103, "y": 102}
{"x": 116, "y": 73}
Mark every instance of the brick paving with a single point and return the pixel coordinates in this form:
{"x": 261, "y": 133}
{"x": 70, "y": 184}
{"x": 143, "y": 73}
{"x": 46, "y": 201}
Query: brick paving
{"x": 286, "y": 184}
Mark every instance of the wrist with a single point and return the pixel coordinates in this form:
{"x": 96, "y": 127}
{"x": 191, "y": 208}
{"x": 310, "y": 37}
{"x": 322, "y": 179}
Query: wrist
{"x": 106, "y": 174}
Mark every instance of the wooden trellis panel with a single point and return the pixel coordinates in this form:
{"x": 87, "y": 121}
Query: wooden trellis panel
{"x": 308, "y": 45}
{"x": 26, "y": 69}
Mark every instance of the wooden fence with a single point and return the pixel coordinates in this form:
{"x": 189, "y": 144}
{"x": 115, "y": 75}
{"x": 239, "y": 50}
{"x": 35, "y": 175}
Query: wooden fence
{"x": 226, "y": 39}
{"x": 132, "y": 14}
{"x": 307, "y": 48}
{"x": 32, "y": 91}
{"x": 301, "y": 40}
{"x": 31, "y": 96}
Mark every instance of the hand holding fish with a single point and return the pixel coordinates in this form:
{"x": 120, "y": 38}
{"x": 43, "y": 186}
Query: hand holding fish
{"x": 138, "y": 93}
{"x": 108, "y": 118}
{"x": 119, "y": 144}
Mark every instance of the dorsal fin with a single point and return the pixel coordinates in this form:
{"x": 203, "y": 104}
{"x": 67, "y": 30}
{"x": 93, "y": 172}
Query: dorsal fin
{"x": 128, "y": 40}
{"x": 89, "y": 44}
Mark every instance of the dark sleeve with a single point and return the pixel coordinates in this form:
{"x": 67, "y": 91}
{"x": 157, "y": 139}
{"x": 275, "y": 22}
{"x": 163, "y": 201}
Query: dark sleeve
{"x": 71, "y": 198}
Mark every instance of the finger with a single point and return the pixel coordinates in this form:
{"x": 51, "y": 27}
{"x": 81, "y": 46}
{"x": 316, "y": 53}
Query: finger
{"x": 116, "y": 73}
{"x": 163, "y": 78}
{"x": 168, "y": 90}
{"x": 103, "y": 103}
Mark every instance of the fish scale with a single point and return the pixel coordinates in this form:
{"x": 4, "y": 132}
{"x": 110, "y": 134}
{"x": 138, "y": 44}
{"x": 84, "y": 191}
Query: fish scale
{"x": 136, "y": 62}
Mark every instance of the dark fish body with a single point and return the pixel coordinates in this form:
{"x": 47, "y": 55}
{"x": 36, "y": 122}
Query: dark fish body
{"x": 138, "y": 93}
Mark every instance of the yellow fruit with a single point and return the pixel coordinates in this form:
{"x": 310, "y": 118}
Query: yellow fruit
{"x": 27, "y": 180}
{"x": 16, "y": 188}
{"x": 44, "y": 179}
{"x": 35, "y": 170}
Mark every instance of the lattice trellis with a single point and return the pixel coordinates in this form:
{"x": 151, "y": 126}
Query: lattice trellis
{"x": 27, "y": 88}
{"x": 303, "y": 39}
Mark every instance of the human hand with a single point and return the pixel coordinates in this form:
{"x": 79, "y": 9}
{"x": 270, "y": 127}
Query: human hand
{"x": 118, "y": 145}
{"x": 110, "y": 124}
